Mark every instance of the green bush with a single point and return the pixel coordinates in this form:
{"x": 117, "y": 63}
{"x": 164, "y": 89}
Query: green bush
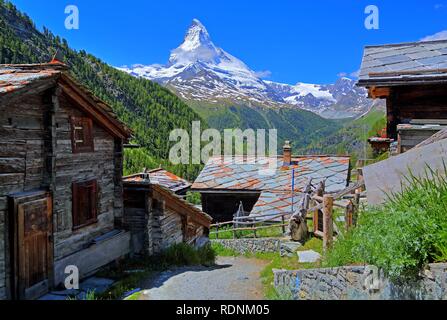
{"x": 183, "y": 254}
{"x": 403, "y": 235}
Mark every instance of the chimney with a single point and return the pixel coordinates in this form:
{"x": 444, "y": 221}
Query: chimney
{"x": 57, "y": 58}
{"x": 287, "y": 153}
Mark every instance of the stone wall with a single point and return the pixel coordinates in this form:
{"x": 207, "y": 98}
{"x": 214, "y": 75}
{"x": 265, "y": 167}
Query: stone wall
{"x": 250, "y": 245}
{"x": 350, "y": 283}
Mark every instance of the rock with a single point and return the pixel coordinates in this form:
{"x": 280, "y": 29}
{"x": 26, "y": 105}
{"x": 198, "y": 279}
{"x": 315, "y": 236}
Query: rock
{"x": 97, "y": 285}
{"x": 298, "y": 229}
{"x": 308, "y": 256}
{"x": 289, "y": 248}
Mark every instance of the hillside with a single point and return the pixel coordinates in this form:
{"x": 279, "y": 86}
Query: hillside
{"x": 352, "y": 137}
{"x": 299, "y": 126}
{"x": 202, "y": 73}
{"x": 149, "y": 109}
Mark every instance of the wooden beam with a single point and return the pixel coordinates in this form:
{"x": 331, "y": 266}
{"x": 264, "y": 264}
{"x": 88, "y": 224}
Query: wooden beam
{"x": 328, "y": 224}
{"x": 379, "y": 92}
{"x": 91, "y": 107}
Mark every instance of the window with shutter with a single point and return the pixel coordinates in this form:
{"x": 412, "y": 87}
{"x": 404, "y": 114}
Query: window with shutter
{"x": 81, "y": 134}
{"x": 85, "y": 198}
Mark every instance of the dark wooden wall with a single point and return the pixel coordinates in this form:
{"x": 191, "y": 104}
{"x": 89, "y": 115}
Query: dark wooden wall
{"x": 24, "y": 136}
{"x": 415, "y": 102}
{"x": 36, "y": 153}
{"x": 222, "y": 207}
{"x": 72, "y": 167}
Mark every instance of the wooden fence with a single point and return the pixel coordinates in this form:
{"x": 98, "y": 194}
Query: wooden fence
{"x": 316, "y": 205}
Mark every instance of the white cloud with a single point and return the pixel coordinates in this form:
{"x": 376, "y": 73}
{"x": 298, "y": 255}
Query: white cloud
{"x": 442, "y": 35}
{"x": 352, "y": 75}
{"x": 263, "y": 74}
{"x": 355, "y": 74}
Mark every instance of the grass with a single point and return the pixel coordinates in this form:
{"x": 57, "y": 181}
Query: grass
{"x": 275, "y": 261}
{"x": 402, "y": 236}
{"x": 226, "y": 233}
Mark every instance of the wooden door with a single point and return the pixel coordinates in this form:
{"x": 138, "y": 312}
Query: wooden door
{"x": 33, "y": 247}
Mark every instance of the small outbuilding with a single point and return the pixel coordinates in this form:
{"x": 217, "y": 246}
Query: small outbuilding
{"x": 226, "y": 182}
{"x": 157, "y": 215}
{"x": 412, "y": 78}
{"x": 61, "y": 162}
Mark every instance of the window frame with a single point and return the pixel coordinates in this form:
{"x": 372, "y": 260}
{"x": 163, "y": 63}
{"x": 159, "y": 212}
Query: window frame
{"x": 78, "y": 187}
{"x": 86, "y": 125}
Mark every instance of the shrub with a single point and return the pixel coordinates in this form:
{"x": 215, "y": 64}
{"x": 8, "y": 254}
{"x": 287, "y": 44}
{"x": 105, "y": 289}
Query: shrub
{"x": 183, "y": 254}
{"x": 403, "y": 235}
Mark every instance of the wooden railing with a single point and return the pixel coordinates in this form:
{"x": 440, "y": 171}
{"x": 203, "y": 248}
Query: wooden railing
{"x": 316, "y": 205}
{"x": 253, "y": 224}
{"x": 348, "y": 200}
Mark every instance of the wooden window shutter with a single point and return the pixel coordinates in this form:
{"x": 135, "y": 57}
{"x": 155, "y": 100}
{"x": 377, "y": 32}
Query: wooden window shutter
{"x": 81, "y": 134}
{"x": 85, "y": 202}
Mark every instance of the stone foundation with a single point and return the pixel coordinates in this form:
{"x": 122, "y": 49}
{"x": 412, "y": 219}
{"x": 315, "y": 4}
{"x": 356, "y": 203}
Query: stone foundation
{"x": 351, "y": 283}
{"x": 243, "y": 246}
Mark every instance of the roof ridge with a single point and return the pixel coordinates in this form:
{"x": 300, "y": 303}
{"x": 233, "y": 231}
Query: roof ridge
{"x": 391, "y": 45}
{"x": 36, "y": 66}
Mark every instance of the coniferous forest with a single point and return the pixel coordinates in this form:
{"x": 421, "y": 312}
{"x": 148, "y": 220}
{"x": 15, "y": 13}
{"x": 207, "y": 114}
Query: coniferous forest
{"x": 150, "y": 110}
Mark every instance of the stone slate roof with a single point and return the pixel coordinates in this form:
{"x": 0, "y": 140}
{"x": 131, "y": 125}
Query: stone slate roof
{"x": 13, "y": 78}
{"x": 236, "y": 175}
{"x": 275, "y": 203}
{"x": 159, "y": 177}
{"x": 21, "y": 79}
{"x": 405, "y": 63}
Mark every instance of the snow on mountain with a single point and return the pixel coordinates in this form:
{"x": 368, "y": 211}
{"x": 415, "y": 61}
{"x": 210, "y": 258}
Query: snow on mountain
{"x": 198, "y": 70}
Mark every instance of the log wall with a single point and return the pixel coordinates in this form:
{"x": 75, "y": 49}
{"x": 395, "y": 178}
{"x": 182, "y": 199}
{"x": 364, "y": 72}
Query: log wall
{"x": 71, "y": 167}
{"x": 36, "y": 153}
{"x": 415, "y": 102}
{"x": 23, "y": 135}
{"x": 156, "y": 221}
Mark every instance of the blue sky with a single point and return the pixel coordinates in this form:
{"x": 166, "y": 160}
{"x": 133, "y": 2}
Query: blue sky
{"x": 308, "y": 41}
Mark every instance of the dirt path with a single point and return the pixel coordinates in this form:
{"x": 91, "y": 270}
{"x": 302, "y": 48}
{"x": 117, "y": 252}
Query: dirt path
{"x": 233, "y": 278}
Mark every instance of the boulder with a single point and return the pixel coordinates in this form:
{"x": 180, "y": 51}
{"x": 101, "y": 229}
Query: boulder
{"x": 289, "y": 248}
{"x": 308, "y": 256}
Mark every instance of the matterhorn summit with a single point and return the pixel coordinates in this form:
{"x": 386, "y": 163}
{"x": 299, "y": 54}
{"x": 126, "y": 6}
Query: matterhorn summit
{"x": 197, "y": 46}
{"x": 198, "y": 70}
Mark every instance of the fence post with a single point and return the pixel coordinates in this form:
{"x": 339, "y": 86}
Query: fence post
{"x": 217, "y": 231}
{"x": 328, "y": 227}
{"x": 349, "y": 215}
{"x": 283, "y": 225}
{"x": 356, "y": 207}
{"x": 320, "y": 193}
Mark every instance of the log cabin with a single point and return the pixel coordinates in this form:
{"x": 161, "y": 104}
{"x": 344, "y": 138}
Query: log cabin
{"x": 157, "y": 215}
{"x": 412, "y": 78}
{"x": 227, "y": 184}
{"x": 61, "y": 190}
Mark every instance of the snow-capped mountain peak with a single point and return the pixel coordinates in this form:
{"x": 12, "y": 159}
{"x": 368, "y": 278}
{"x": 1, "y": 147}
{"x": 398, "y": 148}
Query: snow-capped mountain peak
{"x": 198, "y": 70}
{"x": 197, "y": 46}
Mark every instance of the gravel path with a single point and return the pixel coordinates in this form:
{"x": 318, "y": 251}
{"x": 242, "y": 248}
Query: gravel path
{"x": 233, "y": 278}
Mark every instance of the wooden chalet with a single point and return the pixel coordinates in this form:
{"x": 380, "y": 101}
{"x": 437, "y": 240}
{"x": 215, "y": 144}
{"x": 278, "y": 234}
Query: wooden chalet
{"x": 225, "y": 183}
{"x": 157, "y": 215}
{"x": 412, "y": 77}
{"x": 61, "y": 158}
